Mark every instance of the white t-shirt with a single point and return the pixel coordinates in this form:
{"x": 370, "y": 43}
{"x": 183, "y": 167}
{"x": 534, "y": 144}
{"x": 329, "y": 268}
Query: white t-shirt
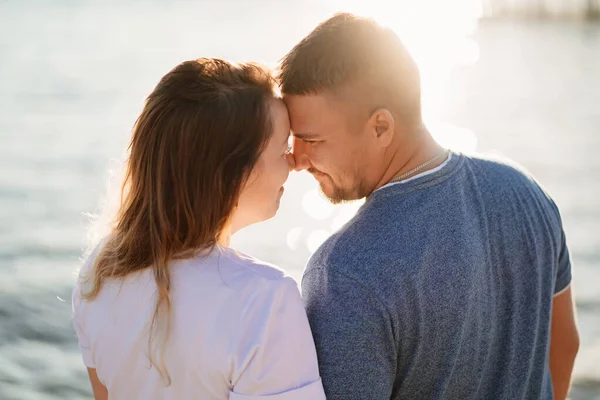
{"x": 238, "y": 331}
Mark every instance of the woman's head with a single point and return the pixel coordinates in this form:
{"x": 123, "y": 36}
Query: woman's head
{"x": 208, "y": 154}
{"x": 194, "y": 150}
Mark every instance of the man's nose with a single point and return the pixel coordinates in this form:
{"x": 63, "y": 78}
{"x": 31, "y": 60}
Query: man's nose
{"x": 301, "y": 160}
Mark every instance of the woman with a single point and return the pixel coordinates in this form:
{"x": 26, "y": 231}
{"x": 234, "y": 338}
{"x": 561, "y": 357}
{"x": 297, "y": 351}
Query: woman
{"x": 163, "y": 308}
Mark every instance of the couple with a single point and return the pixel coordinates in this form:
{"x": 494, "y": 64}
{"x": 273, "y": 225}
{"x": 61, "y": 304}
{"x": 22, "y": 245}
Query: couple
{"x": 451, "y": 282}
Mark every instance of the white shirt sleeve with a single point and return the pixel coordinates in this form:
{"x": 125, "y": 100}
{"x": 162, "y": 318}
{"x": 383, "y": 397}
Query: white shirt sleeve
{"x": 84, "y": 346}
{"x": 276, "y": 357}
{"x": 77, "y": 304}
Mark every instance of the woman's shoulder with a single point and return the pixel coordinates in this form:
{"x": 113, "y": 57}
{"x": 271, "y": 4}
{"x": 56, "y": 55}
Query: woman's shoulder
{"x": 251, "y": 266}
{"x": 238, "y": 269}
{"x": 225, "y": 266}
{"x": 242, "y": 279}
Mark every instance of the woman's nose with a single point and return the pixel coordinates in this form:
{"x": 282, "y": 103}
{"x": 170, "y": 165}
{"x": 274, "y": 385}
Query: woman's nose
{"x": 291, "y": 161}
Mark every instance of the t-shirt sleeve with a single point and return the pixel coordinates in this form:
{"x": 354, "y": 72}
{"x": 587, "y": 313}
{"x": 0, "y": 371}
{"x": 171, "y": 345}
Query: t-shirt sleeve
{"x": 353, "y": 335}
{"x": 276, "y": 357}
{"x": 82, "y": 339}
{"x": 563, "y": 273}
{"x": 78, "y": 305}
{"x": 563, "y": 269}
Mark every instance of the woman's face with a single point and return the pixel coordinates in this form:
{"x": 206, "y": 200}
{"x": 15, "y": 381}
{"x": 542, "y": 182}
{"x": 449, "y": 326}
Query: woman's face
{"x": 260, "y": 197}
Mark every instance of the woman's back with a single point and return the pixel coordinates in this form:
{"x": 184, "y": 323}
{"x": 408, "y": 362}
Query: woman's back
{"x": 237, "y": 328}
{"x": 208, "y": 156}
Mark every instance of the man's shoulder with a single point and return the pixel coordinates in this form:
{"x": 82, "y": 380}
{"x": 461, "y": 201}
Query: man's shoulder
{"x": 499, "y": 166}
{"x": 349, "y": 251}
{"x": 503, "y": 176}
{"x": 330, "y": 251}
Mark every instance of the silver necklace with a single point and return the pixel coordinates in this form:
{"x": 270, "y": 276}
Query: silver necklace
{"x": 420, "y": 167}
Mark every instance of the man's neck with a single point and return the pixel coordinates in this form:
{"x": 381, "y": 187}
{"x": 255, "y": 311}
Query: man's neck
{"x": 407, "y": 156}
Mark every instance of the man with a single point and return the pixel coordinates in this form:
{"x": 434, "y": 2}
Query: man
{"x": 454, "y": 275}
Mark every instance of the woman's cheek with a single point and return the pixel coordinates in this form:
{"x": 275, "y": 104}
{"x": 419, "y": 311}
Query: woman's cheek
{"x": 284, "y": 168}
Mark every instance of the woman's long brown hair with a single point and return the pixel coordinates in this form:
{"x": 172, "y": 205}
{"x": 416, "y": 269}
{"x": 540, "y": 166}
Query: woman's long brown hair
{"x": 193, "y": 147}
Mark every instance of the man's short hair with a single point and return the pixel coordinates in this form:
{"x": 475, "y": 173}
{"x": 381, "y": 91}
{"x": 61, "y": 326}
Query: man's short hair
{"x": 349, "y": 50}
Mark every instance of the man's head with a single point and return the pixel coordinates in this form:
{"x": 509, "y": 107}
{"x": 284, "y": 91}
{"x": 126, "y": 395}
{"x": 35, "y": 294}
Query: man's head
{"x": 354, "y": 96}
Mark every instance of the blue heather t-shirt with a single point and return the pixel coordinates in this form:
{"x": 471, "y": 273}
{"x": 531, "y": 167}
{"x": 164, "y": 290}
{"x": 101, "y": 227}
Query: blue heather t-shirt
{"x": 441, "y": 288}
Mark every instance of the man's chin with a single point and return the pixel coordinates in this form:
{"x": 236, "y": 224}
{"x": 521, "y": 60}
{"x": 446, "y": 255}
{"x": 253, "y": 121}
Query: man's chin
{"x": 333, "y": 194}
{"x": 331, "y": 191}
{"x": 337, "y": 195}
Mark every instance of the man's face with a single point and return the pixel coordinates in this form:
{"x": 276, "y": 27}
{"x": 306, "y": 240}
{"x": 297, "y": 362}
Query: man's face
{"x": 331, "y": 142}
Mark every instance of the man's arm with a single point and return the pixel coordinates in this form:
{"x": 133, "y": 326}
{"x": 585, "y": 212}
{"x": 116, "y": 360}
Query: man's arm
{"x": 353, "y": 334}
{"x": 564, "y": 343}
{"x": 564, "y": 338}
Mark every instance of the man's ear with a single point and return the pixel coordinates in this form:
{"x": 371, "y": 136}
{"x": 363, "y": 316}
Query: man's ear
{"x": 382, "y": 123}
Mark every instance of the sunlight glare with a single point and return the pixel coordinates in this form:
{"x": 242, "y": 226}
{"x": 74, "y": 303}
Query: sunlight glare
{"x": 316, "y": 206}
{"x": 438, "y": 35}
{"x": 316, "y": 239}
{"x": 346, "y": 212}
{"x": 454, "y": 138}
{"x": 293, "y": 238}
{"x": 432, "y": 30}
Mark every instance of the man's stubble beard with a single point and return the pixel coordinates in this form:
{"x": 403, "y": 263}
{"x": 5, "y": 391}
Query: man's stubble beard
{"x": 344, "y": 195}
